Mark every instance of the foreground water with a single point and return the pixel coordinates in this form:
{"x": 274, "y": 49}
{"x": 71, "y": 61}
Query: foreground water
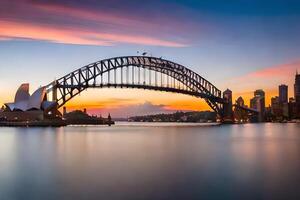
{"x": 151, "y": 161}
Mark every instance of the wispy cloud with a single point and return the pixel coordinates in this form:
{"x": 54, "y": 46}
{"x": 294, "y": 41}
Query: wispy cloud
{"x": 71, "y": 25}
{"x": 268, "y": 78}
{"x": 15, "y": 30}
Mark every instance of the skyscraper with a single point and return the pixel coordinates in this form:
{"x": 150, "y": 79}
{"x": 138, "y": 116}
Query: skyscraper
{"x": 297, "y": 88}
{"x": 258, "y": 103}
{"x": 297, "y": 94}
{"x": 261, "y": 94}
{"x": 283, "y": 93}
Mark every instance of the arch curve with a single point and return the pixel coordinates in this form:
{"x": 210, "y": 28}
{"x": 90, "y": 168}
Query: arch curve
{"x": 140, "y": 72}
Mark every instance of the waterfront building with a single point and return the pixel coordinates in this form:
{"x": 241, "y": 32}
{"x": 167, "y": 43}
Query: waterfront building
{"x": 297, "y": 88}
{"x": 261, "y": 95}
{"x": 297, "y": 94}
{"x": 25, "y": 102}
{"x": 292, "y": 108}
{"x": 268, "y": 114}
{"x": 27, "y": 107}
{"x": 276, "y": 108}
{"x": 283, "y": 93}
{"x": 285, "y": 110}
{"x": 258, "y": 103}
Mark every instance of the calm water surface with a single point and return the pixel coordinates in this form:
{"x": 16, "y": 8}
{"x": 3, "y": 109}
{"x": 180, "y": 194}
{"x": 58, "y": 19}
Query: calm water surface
{"x": 151, "y": 161}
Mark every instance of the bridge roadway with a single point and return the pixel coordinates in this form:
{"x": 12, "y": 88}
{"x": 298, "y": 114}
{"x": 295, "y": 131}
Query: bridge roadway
{"x": 148, "y": 87}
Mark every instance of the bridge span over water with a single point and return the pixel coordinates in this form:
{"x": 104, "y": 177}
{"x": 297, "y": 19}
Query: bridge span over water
{"x": 141, "y": 72}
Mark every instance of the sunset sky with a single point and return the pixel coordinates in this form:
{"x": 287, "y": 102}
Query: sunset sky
{"x": 242, "y": 45}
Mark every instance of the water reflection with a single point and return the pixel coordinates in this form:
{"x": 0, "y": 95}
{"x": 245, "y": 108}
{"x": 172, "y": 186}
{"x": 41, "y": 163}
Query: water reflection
{"x": 167, "y": 161}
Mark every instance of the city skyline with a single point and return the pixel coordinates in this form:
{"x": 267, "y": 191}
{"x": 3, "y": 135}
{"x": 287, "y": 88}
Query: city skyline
{"x": 257, "y": 48}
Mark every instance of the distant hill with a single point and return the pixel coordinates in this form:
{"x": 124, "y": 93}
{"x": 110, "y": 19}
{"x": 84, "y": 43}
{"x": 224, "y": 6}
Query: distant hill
{"x": 203, "y": 116}
{"x": 80, "y": 117}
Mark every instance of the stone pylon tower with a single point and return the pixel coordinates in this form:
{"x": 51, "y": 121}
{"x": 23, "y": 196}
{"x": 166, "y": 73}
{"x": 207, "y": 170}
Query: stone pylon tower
{"x": 227, "y": 107}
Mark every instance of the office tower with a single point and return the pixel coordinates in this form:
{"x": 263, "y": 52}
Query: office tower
{"x": 297, "y": 88}
{"x": 283, "y": 93}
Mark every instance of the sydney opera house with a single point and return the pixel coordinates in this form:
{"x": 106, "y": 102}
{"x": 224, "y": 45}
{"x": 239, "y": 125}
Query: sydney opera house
{"x": 27, "y": 107}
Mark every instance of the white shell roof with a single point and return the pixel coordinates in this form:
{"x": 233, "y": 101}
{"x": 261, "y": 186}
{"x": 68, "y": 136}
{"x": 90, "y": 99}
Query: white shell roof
{"x": 22, "y": 93}
{"x": 23, "y": 100}
{"x": 36, "y": 99}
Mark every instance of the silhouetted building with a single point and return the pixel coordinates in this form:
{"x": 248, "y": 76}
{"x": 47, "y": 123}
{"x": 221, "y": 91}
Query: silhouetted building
{"x": 268, "y": 114}
{"x": 64, "y": 110}
{"x": 297, "y": 94}
{"x": 285, "y": 110}
{"x": 227, "y": 108}
{"x": 258, "y": 103}
{"x": 240, "y": 115}
{"x": 297, "y": 88}
{"x": 283, "y": 93}
{"x": 109, "y": 119}
{"x": 240, "y": 101}
{"x": 292, "y": 108}
{"x": 260, "y": 93}
{"x": 275, "y": 108}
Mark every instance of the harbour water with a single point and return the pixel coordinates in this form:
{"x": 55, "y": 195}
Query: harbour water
{"x": 151, "y": 161}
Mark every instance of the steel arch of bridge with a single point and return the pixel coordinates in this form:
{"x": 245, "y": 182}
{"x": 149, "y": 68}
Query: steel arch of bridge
{"x": 135, "y": 72}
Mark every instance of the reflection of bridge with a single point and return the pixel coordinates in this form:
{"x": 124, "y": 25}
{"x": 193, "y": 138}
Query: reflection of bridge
{"x": 136, "y": 72}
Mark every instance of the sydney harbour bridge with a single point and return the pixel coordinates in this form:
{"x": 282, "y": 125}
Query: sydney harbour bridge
{"x": 141, "y": 72}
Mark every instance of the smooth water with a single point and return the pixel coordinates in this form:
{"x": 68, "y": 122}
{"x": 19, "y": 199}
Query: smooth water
{"x": 151, "y": 161}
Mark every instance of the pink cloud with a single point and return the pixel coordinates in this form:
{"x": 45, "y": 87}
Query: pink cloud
{"x": 71, "y": 25}
{"x": 16, "y": 30}
{"x": 83, "y": 14}
{"x": 267, "y": 78}
{"x": 279, "y": 71}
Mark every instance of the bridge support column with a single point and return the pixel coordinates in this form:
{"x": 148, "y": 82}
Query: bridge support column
{"x": 227, "y": 107}
{"x": 54, "y": 91}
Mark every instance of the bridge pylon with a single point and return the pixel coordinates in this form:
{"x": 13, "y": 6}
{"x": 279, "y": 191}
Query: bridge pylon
{"x": 54, "y": 91}
{"x": 227, "y": 107}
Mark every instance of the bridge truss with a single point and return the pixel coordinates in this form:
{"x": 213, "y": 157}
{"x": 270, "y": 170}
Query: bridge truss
{"x": 140, "y": 72}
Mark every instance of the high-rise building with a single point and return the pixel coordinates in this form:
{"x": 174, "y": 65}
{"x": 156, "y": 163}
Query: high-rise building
{"x": 275, "y": 107}
{"x": 283, "y": 93}
{"x": 297, "y": 88}
{"x": 292, "y": 108}
{"x": 258, "y": 103}
{"x": 297, "y": 94}
{"x": 261, "y": 94}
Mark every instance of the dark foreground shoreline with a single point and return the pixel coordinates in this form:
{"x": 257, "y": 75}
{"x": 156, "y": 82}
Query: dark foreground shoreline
{"x": 47, "y": 123}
